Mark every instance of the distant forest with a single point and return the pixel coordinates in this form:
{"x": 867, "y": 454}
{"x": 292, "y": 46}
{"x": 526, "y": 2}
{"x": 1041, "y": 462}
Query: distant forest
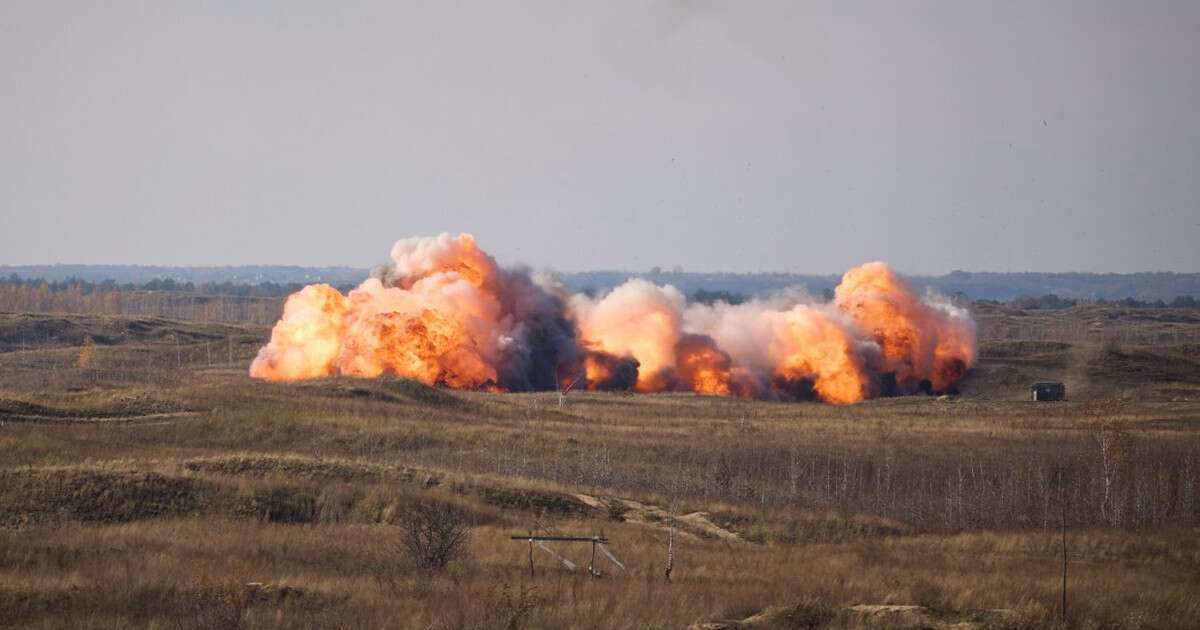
{"x": 141, "y": 274}
{"x": 276, "y": 281}
{"x": 1092, "y": 287}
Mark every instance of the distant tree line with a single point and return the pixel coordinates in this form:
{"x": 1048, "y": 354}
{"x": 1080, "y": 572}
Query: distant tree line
{"x": 702, "y": 296}
{"x": 162, "y": 298}
{"x": 241, "y": 274}
{"x": 85, "y": 287}
{"x": 1051, "y": 301}
{"x": 979, "y": 285}
{"x": 263, "y": 302}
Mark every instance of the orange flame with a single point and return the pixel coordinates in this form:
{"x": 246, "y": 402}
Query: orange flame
{"x": 603, "y": 370}
{"x": 813, "y": 346}
{"x": 306, "y": 341}
{"x": 445, "y": 313}
{"x": 919, "y": 342}
{"x": 437, "y": 324}
{"x": 636, "y": 319}
{"x": 702, "y": 367}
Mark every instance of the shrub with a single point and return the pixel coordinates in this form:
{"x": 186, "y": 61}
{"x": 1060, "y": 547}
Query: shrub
{"x": 435, "y": 534}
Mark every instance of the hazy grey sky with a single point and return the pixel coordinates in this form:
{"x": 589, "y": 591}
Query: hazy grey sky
{"x": 791, "y": 136}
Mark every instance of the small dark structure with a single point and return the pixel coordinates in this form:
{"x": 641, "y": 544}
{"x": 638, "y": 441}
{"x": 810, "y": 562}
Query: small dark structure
{"x": 1047, "y": 391}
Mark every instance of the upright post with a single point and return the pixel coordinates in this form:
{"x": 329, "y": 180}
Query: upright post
{"x": 671, "y": 542}
{"x": 531, "y": 553}
{"x": 592, "y": 562}
{"x": 1064, "y": 558}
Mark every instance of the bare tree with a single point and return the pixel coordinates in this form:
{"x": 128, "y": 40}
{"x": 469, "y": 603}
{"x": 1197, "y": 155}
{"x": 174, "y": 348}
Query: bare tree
{"x": 1114, "y": 442}
{"x": 435, "y": 534}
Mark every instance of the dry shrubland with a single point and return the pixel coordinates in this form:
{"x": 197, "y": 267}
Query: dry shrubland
{"x": 155, "y": 485}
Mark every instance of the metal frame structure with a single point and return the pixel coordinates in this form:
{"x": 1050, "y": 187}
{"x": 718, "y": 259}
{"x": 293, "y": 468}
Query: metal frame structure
{"x": 595, "y": 540}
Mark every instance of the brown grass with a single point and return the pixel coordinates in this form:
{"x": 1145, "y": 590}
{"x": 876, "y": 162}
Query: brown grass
{"x": 158, "y": 486}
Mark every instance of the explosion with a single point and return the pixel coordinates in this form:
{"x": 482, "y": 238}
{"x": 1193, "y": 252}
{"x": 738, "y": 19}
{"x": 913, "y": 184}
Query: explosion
{"x": 444, "y": 313}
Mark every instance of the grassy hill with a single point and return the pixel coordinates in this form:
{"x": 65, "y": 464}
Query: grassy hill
{"x": 146, "y": 480}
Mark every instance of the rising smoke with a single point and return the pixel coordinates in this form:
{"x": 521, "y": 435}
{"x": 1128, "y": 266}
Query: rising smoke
{"x": 445, "y": 313}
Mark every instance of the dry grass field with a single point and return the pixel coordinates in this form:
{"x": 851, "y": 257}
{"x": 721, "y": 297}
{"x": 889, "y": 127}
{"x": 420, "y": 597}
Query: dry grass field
{"x": 146, "y": 481}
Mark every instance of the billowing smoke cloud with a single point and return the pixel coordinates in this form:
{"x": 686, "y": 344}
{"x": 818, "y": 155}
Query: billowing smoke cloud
{"x": 445, "y": 313}
{"x": 926, "y": 346}
{"x": 636, "y": 319}
{"x": 789, "y": 350}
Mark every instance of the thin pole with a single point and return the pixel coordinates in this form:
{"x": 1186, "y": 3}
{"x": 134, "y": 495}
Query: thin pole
{"x": 1064, "y": 558}
{"x": 531, "y": 553}
{"x": 592, "y": 562}
{"x": 671, "y": 542}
